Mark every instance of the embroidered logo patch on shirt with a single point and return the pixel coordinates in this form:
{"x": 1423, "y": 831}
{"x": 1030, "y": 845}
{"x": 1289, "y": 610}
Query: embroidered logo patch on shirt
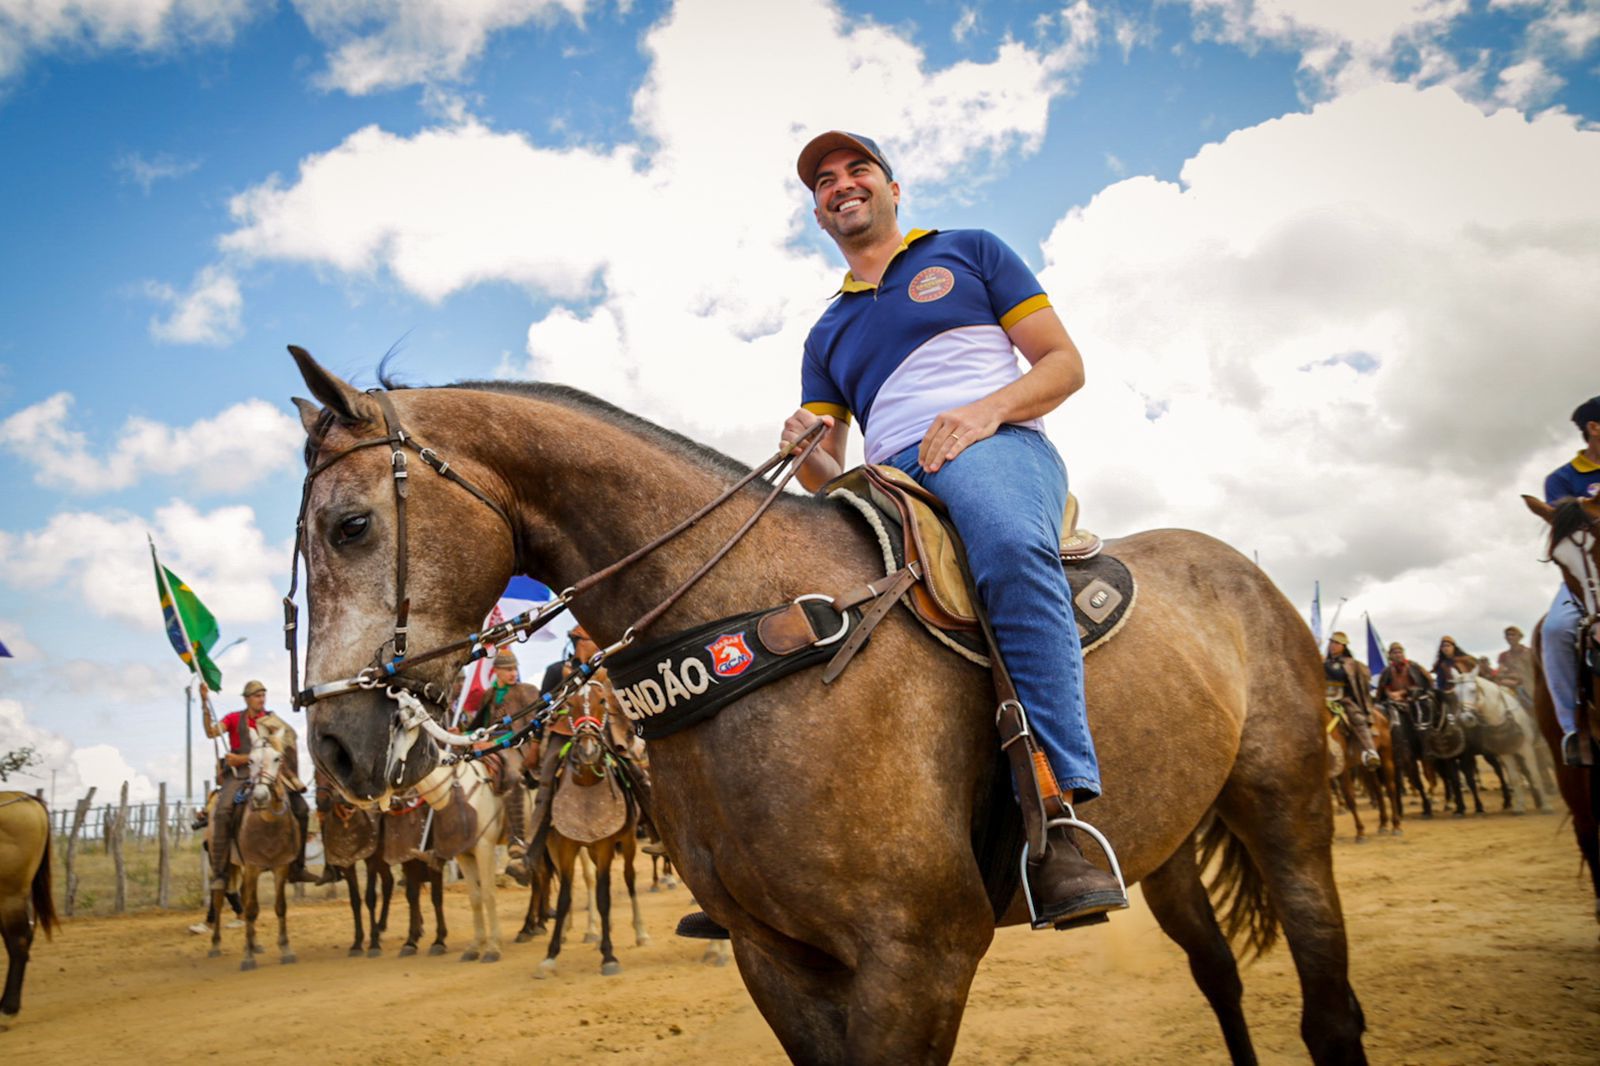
{"x": 931, "y": 284}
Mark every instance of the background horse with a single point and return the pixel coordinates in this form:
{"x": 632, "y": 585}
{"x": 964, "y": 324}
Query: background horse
{"x": 1501, "y": 732}
{"x": 1382, "y": 782}
{"x": 1205, "y": 710}
{"x": 1407, "y": 726}
{"x": 468, "y": 822}
{"x": 268, "y": 836}
{"x": 398, "y": 844}
{"x": 25, "y": 902}
{"x": 592, "y": 812}
{"x": 352, "y": 835}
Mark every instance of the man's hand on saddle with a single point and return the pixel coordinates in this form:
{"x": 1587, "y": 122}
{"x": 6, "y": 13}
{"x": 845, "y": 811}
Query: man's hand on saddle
{"x": 954, "y": 431}
{"x": 233, "y": 759}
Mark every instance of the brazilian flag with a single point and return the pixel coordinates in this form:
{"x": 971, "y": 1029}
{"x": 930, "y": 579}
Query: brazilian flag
{"x": 179, "y": 601}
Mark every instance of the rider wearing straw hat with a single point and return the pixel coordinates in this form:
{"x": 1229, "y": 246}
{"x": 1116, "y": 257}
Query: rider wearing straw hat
{"x": 1350, "y": 685}
{"x": 233, "y": 780}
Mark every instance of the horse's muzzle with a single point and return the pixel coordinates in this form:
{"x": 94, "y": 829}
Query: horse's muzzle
{"x": 350, "y": 739}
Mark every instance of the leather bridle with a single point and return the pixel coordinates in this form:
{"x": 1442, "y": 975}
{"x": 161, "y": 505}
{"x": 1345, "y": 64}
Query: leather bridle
{"x": 412, "y": 695}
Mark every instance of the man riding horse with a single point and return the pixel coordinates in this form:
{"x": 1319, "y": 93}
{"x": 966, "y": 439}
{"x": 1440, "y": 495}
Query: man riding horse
{"x": 1514, "y": 667}
{"x": 1402, "y": 681}
{"x": 507, "y": 696}
{"x": 1349, "y": 693}
{"x": 1579, "y": 478}
{"x": 920, "y": 347}
{"x": 233, "y": 781}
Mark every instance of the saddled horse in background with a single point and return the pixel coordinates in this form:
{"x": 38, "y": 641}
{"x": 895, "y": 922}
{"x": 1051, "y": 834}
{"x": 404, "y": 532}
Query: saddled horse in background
{"x": 1344, "y": 765}
{"x": 1574, "y": 546}
{"x": 350, "y": 836}
{"x": 1500, "y": 731}
{"x": 1447, "y": 746}
{"x": 1409, "y": 721}
{"x": 1205, "y": 708}
{"x": 25, "y": 900}
{"x": 267, "y": 837}
{"x": 399, "y": 842}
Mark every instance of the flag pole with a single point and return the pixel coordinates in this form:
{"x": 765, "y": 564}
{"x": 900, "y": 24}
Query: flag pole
{"x": 193, "y": 663}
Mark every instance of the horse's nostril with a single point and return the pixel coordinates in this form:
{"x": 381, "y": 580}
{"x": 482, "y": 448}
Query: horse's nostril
{"x": 334, "y": 757}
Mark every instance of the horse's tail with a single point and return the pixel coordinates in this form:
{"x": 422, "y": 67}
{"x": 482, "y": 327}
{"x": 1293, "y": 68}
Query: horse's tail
{"x": 1237, "y": 890}
{"x": 44, "y": 907}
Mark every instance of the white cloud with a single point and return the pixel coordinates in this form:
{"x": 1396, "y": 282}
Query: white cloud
{"x": 206, "y": 314}
{"x": 229, "y": 452}
{"x": 94, "y": 26}
{"x": 105, "y": 560}
{"x": 386, "y": 44}
{"x": 76, "y": 768}
{"x": 1527, "y": 85}
{"x": 636, "y": 244}
{"x": 15, "y": 638}
{"x": 965, "y": 25}
{"x": 1348, "y": 339}
{"x": 135, "y": 168}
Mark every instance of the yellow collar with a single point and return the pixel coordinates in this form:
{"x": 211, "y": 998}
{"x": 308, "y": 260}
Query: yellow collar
{"x": 1584, "y": 465}
{"x": 850, "y": 283}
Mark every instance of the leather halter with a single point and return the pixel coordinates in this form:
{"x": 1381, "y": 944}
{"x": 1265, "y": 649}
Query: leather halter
{"x": 411, "y": 694}
{"x": 397, "y": 440}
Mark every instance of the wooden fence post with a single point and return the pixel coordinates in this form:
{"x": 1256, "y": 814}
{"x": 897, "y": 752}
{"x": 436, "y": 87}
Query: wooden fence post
{"x": 163, "y": 860}
{"x": 114, "y": 836}
{"x": 79, "y": 813}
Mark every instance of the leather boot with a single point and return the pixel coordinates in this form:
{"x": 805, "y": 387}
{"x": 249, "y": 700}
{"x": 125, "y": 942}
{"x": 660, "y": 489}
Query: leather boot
{"x": 1068, "y": 889}
{"x": 698, "y": 925}
{"x": 1363, "y": 734}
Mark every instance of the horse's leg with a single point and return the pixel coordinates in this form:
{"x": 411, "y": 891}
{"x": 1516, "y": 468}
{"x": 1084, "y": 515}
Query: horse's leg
{"x": 252, "y": 910}
{"x": 280, "y": 906}
{"x": 18, "y": 934}
{"x": 1470, "y": 770}
{"x": 1506, "y": 786}
{"x": 1178, "y": 899}
{"x": 1525, "y": 768}
{"x": 413, "y": 877}
{"x": 473, "y": 875}
{"x": 1347, "y": 793}
{"x": 491, "y": 912}
{"x": 1450, "y": 774}
{"x": 591, "y": 932}
{"x": 565, "y": 853}
{"x": 353, "y": 890}
{"x": 217, "y": 901}
{"x": 602, "y": 851}
{"x": 1390, "y": 771}
{"x": 436, "y": 894}
{"x": 640, "y": 937}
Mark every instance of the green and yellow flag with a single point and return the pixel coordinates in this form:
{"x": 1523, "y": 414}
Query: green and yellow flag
{"x": 190, "y": 626}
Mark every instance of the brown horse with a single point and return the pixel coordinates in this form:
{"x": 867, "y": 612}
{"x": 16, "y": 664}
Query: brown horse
{"x": 267, "y": 838}
{"x": 591, "y": 812}
{"x": 1382, "y": 782}
{"x": 24, "y": 887}
{"x": 351, "y": 836}
{"x": 790, "y": 815}
{"x": 398, "y": 842}
{"x": 1574, "y": 546}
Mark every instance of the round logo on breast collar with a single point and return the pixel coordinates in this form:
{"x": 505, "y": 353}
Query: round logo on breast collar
{"x": 931, "y": 284}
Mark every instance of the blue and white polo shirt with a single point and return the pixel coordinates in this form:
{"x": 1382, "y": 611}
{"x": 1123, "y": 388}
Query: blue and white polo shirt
{"x": 1580, "y": 478}
{"x": 931, "y": 335}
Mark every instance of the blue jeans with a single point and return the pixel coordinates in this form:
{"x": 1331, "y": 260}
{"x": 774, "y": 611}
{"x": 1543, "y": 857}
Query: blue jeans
{"x": 1558, "y": 639}
{"x": 1006, "y": 496}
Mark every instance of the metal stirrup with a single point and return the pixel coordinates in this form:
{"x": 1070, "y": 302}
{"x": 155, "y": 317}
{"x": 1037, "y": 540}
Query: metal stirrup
{"x": 1071, "y": 821}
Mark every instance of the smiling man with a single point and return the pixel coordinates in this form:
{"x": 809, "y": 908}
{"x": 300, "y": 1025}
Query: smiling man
{"x": 919, "y": 346}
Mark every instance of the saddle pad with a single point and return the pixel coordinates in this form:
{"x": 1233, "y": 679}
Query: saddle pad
{"x": 402, "y": 832}
{"x": 349, "y": 835}
{"x": 586, "y": 813}
{"x": 1103, "y": 588}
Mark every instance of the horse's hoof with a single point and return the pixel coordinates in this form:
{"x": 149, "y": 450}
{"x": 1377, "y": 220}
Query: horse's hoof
{"x": 408, "y": 950}
{"x": 214, "y": 953}
{"x": 490, "y": 956}
{"x": 642, "y": 940}
{"x": 1459, "y": 814}
{"x": 374, "y": 953}
{"x": 287, "y": 959}
{"x": 591, "y": 938}
{"x": 610, "y": 969}
{"x": 523, "y": 937}
{"x": 470, "y": 955}
{"x": 655, "y": 888}
{"x": 712, "y": 956}
{"x": 437, "y": 949}
{"x": 546, "y": 968}
{"x": 247, "y": 963}
{"x": 353, "y": 953}
{"x": 1398, "y": 831}
{"x": 1361, "y": 840}
{"x": 1516, "y": 813}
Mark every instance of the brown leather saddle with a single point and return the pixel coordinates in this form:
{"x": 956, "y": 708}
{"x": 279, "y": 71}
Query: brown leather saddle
{"x": 913, "y": 527}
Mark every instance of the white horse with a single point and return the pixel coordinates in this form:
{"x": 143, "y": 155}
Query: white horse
{"x": 1503, "y": 730}
{"x": 468, "y": 821}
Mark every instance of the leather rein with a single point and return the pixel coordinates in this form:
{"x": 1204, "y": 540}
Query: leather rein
{"x": 411, "y": 694}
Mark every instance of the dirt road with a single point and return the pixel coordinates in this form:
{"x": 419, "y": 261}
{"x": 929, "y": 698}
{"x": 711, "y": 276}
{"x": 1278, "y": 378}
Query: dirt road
{"x": 1472, "y": 941}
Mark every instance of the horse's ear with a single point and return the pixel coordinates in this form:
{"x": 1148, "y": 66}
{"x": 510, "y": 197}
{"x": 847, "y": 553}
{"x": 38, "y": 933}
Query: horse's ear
{"x": 1539, "y": 507}
{"x": 350, "y": 404}
{"x": 310, "y": 413}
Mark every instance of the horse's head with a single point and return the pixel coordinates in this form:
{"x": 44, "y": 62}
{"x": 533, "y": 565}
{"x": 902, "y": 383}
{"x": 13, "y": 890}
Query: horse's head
{"x": 589, "y": 721}
{"x": 1574, "y": 545}
{"x": 398, "y": 557}
{"x": 266, "y": 766}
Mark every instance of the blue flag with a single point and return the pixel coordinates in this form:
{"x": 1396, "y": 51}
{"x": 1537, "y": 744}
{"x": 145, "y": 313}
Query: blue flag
{"x": 5, "y": 653}
{"x": 1316, "y": 612}
{"x": 1375, "y": 659}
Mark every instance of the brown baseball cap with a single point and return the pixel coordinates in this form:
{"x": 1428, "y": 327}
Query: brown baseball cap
{"x": 252, "y": 687}
{"x": 817, "y": 149}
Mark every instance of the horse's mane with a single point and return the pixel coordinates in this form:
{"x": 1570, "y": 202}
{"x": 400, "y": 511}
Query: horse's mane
{"x": 1568, "y": 519}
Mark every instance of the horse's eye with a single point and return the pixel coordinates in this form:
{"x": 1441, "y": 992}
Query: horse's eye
{"x": 352, "y": 528}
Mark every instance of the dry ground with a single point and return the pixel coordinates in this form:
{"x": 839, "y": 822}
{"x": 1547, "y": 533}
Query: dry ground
{"x": 1472, "y": 941}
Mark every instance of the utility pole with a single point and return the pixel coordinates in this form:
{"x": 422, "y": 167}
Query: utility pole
{"x": 188, "y": 742}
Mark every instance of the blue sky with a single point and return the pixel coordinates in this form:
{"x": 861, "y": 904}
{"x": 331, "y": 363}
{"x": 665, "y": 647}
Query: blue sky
{"x": 1227, "y": 198}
